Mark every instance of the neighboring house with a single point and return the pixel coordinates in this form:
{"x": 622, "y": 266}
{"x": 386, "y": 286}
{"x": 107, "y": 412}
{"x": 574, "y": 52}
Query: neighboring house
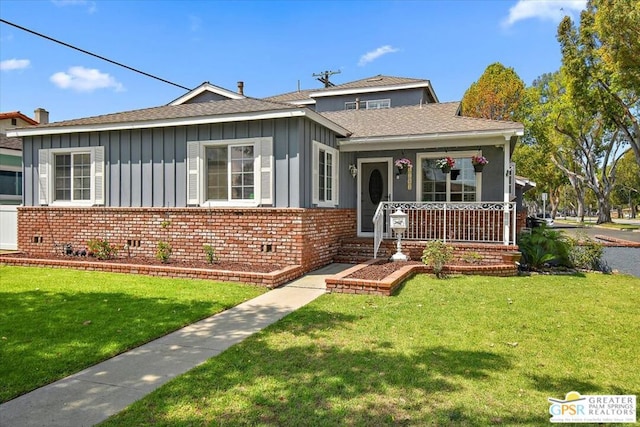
{"x": 279, "y": 180}
{"x": 11, "y": 155}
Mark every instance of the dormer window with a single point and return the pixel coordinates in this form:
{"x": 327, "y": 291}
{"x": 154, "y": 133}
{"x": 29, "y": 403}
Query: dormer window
{"x": 375, "y": 104}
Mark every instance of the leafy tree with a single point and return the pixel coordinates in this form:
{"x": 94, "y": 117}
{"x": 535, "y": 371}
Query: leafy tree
{"x": 578, "y": 141}
{"x": 496, "y": 95}
{"x": 602, "y": 63}
{"x": 627, "y": 190}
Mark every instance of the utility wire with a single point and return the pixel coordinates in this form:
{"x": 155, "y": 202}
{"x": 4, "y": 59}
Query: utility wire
{"x": 92, "y": 54}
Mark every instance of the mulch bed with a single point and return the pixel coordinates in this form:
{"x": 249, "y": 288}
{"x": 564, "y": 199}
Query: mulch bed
{"x": 218, "y": 265}
{"x": 380, "y": 271}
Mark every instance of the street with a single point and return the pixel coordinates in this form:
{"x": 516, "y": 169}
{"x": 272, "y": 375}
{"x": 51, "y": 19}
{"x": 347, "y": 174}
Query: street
{"x": 624, "y": 260}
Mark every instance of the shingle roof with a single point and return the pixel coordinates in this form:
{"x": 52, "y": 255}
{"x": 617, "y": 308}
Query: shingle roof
{"x": 299, "y": 95}
{"x": 10, "y": 143}
{"x": 375, "y": 81}
{"x": 413, "y": 120}
{"x": 168, "y": 112}
{"x": 17, "y": 115}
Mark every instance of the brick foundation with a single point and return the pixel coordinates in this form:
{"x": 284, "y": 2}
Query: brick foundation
{"x": 308, "y": 238}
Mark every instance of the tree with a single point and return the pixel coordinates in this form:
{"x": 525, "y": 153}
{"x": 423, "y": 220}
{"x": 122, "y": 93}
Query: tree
{"x": 627, "y": 190}
{"x": 535, "y": 158}
{"x": 602, "y": 63}
{"x": 578, "y": 141}
{"x": 496, "y": 95}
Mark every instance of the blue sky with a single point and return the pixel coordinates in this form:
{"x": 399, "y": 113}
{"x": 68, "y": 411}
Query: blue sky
{"x": 269, "y": 45}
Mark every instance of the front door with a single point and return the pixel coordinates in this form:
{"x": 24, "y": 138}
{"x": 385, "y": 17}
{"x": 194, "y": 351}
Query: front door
{"x": 373, "y": 189}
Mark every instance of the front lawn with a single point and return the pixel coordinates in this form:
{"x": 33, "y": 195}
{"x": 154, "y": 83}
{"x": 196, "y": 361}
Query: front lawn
{"x": 55, "y": 322}
{"x": 462, "y": 351}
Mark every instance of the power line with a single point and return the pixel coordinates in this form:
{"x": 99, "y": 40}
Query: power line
{"x": 92, "y": 54}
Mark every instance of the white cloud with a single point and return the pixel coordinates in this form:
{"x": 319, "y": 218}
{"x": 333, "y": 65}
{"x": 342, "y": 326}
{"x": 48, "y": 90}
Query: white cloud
{"x": 91, "y": 5}
{"x": 85, "y": 80}
{"x": 550, "y": 10}
{"x": 375, "y": 54}
{"x": 14, "y": 64}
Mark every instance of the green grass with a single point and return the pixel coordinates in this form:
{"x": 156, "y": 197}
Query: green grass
{"x": 462, "y": 351}
{"x": 617, "y": 226}
{"x": 55, "y": 322}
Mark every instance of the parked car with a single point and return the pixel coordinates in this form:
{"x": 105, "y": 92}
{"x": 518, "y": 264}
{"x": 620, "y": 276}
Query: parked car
{"x": 538, "y": 220}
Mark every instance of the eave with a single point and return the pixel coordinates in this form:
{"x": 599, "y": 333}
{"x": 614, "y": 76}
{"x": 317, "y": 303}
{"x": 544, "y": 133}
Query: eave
{"x": 456, "y": 139}
{"x": 184, "y": 121}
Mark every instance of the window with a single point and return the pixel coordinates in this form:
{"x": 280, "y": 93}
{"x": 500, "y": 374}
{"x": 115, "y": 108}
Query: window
{"x": 375, "y": 104}
{"x": 230, "y": 172}
{"x": 10, "y": 184}
{"x": 459, "y": 185}
{"x": 71, "y": 176}
{"x": 325, "y": 175}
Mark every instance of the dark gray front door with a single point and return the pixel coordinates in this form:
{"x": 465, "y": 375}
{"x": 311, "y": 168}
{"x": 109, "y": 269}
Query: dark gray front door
{"x": 374, "y": 188}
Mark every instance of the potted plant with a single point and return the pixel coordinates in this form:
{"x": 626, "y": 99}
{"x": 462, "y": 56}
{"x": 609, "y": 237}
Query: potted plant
{"x": 445, "y": 164}
{"x": 478, "y": 162}
{"x": 403, "y": 165}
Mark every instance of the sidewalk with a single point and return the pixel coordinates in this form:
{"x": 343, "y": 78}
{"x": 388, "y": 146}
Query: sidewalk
{"x": 91, "y": 396}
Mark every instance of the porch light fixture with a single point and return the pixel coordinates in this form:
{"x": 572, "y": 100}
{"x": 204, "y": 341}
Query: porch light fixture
{"x": 399, "y": 221}
{"x": 354, "y": 170}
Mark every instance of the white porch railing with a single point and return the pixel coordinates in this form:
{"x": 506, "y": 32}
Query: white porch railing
{"x": 471, "y": 222}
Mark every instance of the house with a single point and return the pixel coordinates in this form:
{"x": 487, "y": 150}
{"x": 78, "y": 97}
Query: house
{"x": 11, "y": 154}
{"x": 281, "y": 180}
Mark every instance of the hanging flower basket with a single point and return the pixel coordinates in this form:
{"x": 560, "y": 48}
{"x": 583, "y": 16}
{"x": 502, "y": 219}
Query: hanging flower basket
{"x": 445, "y": 164}
{"x": 403, "y": 164}
{"x": 478, "y": 163}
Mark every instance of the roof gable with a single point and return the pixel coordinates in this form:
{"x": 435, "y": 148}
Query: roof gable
{"x": 18, "y": 115}
{"x": 206, "y": 87}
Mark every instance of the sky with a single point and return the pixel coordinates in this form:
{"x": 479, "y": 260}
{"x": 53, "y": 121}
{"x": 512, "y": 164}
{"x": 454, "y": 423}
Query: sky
{"x": 274, "y": 47}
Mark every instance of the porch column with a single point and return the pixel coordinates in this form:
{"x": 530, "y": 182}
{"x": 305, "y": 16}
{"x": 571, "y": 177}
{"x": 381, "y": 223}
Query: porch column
{"x": 507, "y": 191}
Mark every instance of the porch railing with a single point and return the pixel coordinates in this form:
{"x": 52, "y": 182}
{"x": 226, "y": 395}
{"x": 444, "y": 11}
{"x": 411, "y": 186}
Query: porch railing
{"x": 471, "y": 222}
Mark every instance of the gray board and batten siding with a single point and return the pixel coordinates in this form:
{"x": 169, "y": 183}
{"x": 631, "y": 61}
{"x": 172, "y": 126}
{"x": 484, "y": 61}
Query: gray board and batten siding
{"x": 398, "y": 98}
{"x": 147, "y": 167}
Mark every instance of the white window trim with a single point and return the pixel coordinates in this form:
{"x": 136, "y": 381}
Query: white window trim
{"x": 262, "y": 167}
{"x": 317, "y": 146}
{"x": 366, "y": 104}
{"x": 46, "y": 179}
{"x": 440, "y": 155}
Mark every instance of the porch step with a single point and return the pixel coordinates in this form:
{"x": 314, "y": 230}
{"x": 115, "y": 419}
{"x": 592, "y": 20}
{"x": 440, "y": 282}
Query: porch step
{"x": 354, "y": 251}
{"x": 358, "y": 250}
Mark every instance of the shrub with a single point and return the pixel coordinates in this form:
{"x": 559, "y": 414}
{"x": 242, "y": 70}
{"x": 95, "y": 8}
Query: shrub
{"x": 436, "y": 254}
{"x": 164, "y": 251}
{"x": 544, "y": 246}
{"x": 586, "y": 253}
{"x": 102, "y": 249}
{"x": 210, "y": 253}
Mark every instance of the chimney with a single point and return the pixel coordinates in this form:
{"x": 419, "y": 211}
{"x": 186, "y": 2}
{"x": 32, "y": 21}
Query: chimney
{"x": 241, "y": 88}
{"x": 41, "y": 116}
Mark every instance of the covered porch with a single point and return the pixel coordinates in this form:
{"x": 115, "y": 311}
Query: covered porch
{"x": 493, "y": 223}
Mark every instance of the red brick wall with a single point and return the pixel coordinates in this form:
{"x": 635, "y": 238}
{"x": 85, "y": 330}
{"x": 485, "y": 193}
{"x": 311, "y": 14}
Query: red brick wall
{"x": 307, "y": 237}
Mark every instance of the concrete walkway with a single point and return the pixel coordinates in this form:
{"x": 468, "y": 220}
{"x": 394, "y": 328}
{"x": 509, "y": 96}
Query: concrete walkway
{"x": 91, "y": 396}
